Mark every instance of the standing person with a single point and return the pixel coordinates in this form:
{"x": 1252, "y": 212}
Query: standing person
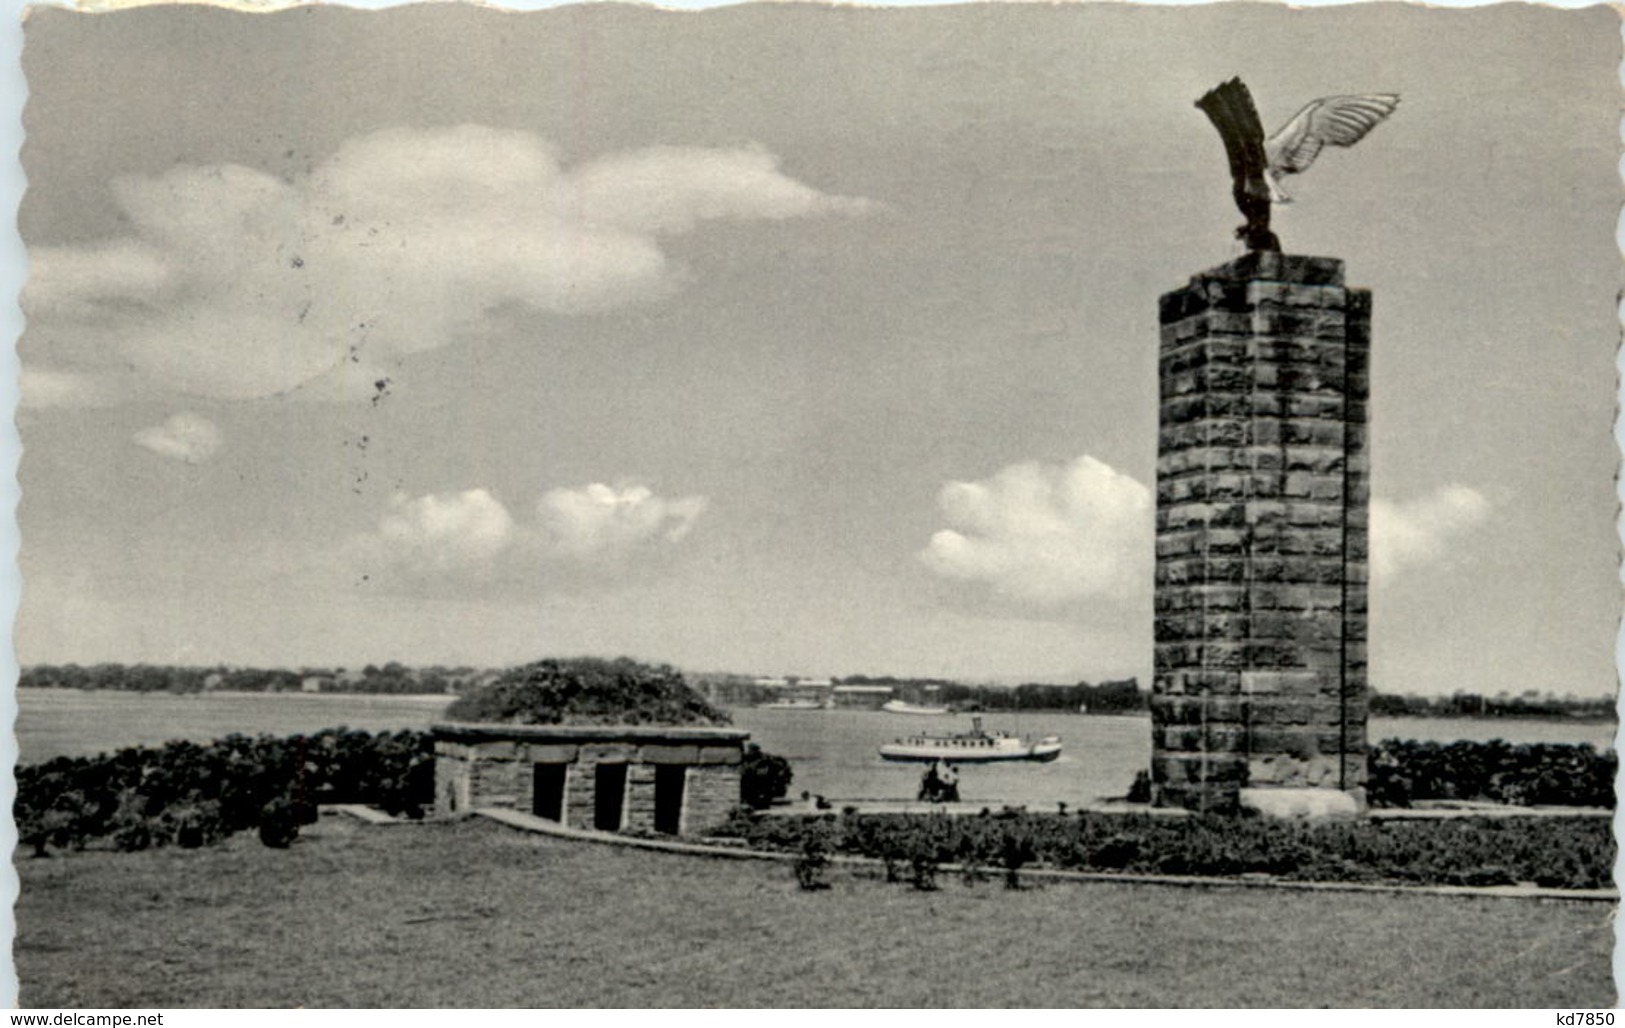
{"x": 931, "y": 782}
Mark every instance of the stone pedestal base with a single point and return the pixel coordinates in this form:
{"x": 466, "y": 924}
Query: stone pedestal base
{"x": 1263, "y": 487}
{"x": 1315, "y": 804}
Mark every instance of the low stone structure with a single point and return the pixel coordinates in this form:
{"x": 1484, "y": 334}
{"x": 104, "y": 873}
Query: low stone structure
{"x": 678, "y": 781}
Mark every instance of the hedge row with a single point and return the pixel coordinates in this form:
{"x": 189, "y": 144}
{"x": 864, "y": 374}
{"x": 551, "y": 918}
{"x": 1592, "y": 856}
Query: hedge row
{"x": 192, "y": 794}
{"x": 1557, "y": 852}
{"x": 1526, "y": 774}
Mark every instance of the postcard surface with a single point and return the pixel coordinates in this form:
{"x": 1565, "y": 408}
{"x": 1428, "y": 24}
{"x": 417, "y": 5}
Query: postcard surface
{"x": 817, "y": 428}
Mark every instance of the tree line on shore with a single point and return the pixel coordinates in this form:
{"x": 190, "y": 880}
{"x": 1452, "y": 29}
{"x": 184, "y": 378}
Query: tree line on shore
{"x": 1123, "y": 696}
{"x": 1528, "y": 704}
{"x": 390, "y": 678}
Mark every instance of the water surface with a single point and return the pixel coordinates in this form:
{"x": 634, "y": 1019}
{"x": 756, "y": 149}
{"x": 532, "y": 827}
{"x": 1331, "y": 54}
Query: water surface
{"x": 833, "y": 752}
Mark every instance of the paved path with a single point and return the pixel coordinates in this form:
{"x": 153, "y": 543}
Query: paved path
{"x": 1428, "y": 810}
{"x": 1443, "y": 810}
{"x": 362, "y": 812}
{"x": 895, "y": 806}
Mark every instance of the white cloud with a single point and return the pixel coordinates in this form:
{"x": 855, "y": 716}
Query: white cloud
{"x": 40, "y": 388}
{"x": 1417, "y": 532}
{"x": 184, "y": 437}
{"x": 670, "y": 189}
{"x": 594, "y": 529}
{"x": 238, "y": 284}
{"x": 88, "y": 279}
{"x": 600, "y": 521}
{"x": 1047, "y": 534}
{"x": 446, "y": 531}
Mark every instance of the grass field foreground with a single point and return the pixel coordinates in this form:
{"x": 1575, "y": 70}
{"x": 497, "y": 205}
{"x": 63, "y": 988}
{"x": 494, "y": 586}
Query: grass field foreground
{"x": 471, "y": 914}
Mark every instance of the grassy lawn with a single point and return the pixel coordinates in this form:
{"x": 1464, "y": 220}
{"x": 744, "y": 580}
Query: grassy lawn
{"x": 476, "y": 915}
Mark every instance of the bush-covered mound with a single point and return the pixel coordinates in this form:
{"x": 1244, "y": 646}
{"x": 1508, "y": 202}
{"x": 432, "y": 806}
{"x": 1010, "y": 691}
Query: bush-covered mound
{"x": 191, "y": 794}
{"x": 1555, "y": 852}
{"x": 588, "y": 691}
{"x": 763, "y": 778}
{"x": 1526, "y": 774}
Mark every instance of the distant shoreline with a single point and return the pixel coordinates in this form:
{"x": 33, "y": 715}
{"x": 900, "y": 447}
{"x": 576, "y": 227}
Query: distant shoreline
{"x": 1420, "y": 715}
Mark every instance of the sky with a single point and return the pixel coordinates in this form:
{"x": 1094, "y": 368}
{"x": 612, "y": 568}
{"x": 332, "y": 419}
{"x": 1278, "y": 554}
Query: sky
{"x": 778, "y": 339}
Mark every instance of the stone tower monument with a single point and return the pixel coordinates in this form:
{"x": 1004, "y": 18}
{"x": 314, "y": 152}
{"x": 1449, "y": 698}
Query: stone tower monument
{"x": 1262, "y": 497}
{"x": 1259, "y": 696}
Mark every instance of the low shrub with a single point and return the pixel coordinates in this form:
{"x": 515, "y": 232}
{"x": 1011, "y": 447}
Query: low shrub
{"x": 196, "y": 824}
{"x": 190, "y": 794}
{"x": 1523, "y": 774}
{"x": 279, "y": 824}
{"x": 763, "y": 778}
{"x": 922, "y": 870}
{"x": 1017, "y": 844}
{"x": 811, "y": 865}
{"x": 1140, "y": 791}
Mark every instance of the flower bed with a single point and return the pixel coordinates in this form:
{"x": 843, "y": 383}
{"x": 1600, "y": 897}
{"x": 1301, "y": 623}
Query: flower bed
{"x": 1554, "y": 852}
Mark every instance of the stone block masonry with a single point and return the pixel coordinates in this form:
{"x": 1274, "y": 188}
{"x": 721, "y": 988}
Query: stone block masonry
{"x": 670, "y": 779}
{"x": 1263, "y": 489}
{"x": 713, "y": 793}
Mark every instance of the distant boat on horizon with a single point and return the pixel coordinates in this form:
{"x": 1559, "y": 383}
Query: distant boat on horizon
{"x": 900, "y": 707}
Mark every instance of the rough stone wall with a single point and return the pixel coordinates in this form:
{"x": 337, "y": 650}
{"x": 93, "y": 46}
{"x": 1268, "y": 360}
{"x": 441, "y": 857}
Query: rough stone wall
{"x": 499, "y": 782}
{"x": 451, "y": 783}
{"x": 711, "y": 793}
{"x": 640, "y": 797}
{"x": 466, "y": 778}
{"x": 1262, "y": 533}
{"x": 580, "y": 795}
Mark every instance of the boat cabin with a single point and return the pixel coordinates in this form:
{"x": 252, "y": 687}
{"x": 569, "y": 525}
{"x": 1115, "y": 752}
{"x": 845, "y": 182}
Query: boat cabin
{"x": 985, "y": 741}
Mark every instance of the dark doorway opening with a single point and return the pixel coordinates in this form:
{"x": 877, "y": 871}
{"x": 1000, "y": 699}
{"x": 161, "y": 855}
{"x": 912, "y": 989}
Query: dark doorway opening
{"x": 547, "y": 791}
{"x": 609, "y": 796}
{"x": 669, "y": 779}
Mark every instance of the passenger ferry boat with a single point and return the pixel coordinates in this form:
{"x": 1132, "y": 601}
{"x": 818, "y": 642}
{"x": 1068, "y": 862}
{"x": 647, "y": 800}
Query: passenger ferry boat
{"x": 977, "y": 746}
{"x": 900, "y": 707}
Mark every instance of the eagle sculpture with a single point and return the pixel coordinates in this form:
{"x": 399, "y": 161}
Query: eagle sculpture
{"x": 1257, "y": 165}
{"x": 1329, "y": 121}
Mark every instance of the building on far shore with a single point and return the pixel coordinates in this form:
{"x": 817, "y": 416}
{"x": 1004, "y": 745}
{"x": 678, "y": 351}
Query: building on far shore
{"x": 861, "y": 697}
